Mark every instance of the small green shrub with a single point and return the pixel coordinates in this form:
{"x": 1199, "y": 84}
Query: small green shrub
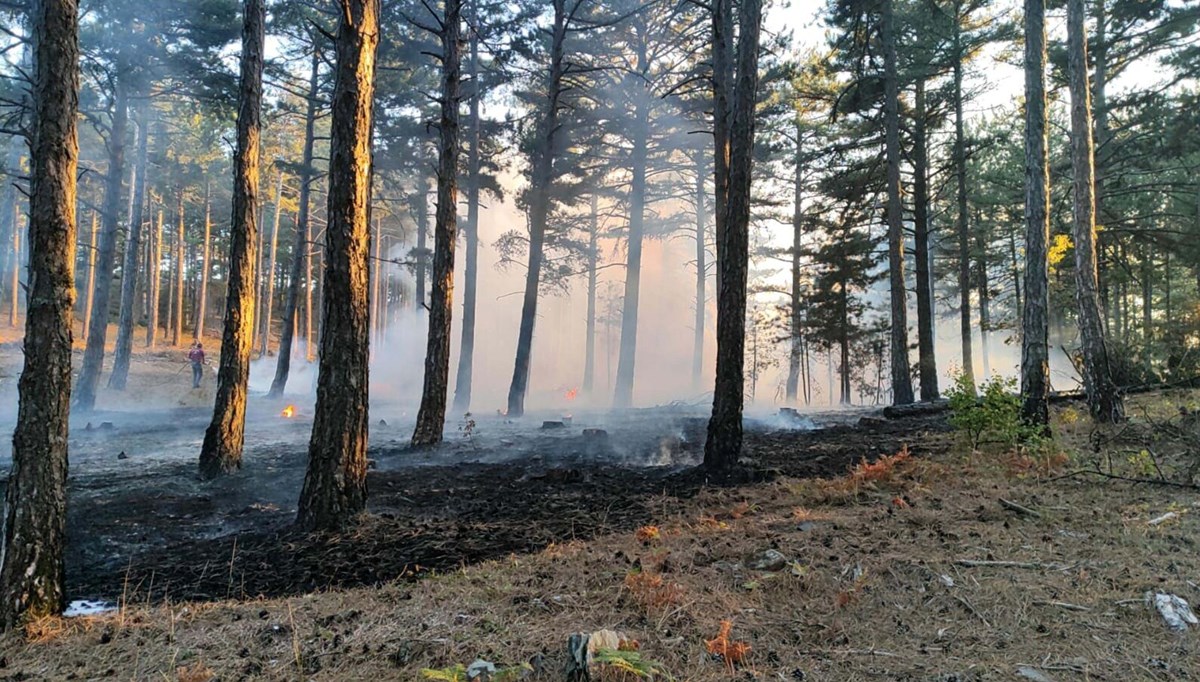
{"x": 991, "y": 416}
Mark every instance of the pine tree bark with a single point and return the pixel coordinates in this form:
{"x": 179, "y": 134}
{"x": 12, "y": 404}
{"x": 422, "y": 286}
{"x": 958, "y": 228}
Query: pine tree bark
{"x": 32, "y": 568}
{"x": 180, "y": 259}
{"x": 93, "y": 354}
{"x": 796, "y": 318}
{"x": 962, "y": 223}
{"x": 205, "y": 266}
{"x": 268, "y": 286}
{"x": 283, "y": 363}
{"x": 335, "y": 485}
{"x": 130, "y": 271}
{"x": 14, "y": 286}
{"x": 154, "y": 293}
{"x": 1104, "y": 399}
{"x": 700, "y": 201}
{"x": 926, "y": 354}
{"x": 542, "y": 179}
{"x": 983, "y": 283}
{"x": 464, "y": 378}
{"x": 723, "y": 447}
{"x": 431, "y": 417}
{"x": 902, "y": 392}
{"x": 589, "y": 348}
{"x": 1036, "y": 311}
{"x": 627, "y": 353}
{"x": 422, "y": 199}
{"x": 91, "y": 276}
{"x": 221, "y": 452}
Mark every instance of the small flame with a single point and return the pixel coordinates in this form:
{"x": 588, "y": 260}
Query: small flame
{"x": 288, "y": 412}
{"x": 572, "y": 394}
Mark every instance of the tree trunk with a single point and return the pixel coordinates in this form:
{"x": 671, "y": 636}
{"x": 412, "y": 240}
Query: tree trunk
{"x": 431, "y": 418}
{"x": 91, "y": 275}
{"x": 221, "y": 452}
{"x": 466, "y": 348}
{"x": 169, "y": 322}
{"x": 375, "y": 270}
{"x": 32, "y": 574}
{"x": 539, "y": 209}
{"x": 844, "y": 345}
{"x": 14, "y": 287}
{"x": 984, "y": 288}
{"x": 1104, "y": 399}
{"x": 130, "y": 269}
{"x": 422, "y": 244}
{"x": 335, "y": 485}
{"x": 723, "y": 447}
{"x": 155, "y": 285}
{"x": 268, "y": 285}
{"x": 93, "y": 355}
{"x": 589, "y": 350}
{"x": 180, "y": 248}
{"x": 205, "y": 267}
{"x": 300, "y": 257}
{"x": 963, "y": 227}
{"x": 627, "y": 352}
{"x": 926, "y": 353}
{"x": 902, "y": 392}
{"x": 1147, "y": 310}
{"x": 700, "y": 200}
{"x": 796, "y": 318}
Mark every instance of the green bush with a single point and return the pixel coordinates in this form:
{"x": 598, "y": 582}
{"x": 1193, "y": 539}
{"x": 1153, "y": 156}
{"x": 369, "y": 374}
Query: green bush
{"x": 991, "y": 416}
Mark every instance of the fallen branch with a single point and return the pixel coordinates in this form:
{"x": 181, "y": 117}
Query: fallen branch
{"x": 1036, "y": 565}
{"x": 973, "y": 610}
{"x": 1128, "y": 479}
{"x": 1064, "y": 605}
{"x": 1020, "y": 509}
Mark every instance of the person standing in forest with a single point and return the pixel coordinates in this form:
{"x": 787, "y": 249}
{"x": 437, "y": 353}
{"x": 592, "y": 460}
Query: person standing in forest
{"x": 196, "y": 357}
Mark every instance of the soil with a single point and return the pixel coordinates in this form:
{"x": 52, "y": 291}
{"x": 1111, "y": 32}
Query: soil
{"x": 144, "y": 527}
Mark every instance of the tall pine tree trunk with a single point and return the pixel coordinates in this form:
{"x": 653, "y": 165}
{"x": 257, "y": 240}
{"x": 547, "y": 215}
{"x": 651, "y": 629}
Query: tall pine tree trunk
{"x": 539, "y": 208}
{"x": 180, "y": 252}
{"x": 221, "y": 452}
{"x": 926, "y": 354}
{"x": 466, "y": 348}
{"x": 32, "y": 573}
{"x": 589, "y": 348}
{"x": 154, "y": 293}
{"x": 902, "y": 392}
{"x": 133, "y": 246}
{"x": 422, "y": 199}
{"x": 431, "y": 417}
{"x": 269, "y": 271}
{"x": 300, "y": 257}
{"x": 14, "y": 285}
{"x": 91, "y": 274}
{"x": 1104, "y": 399}
{"x": 335, "y": 485}
{"x": 796, "y": 331}
{"x": 205, "y": 266}
{"x": 962, "y": 223}
{"x": 93, "y": 355}
{"x": 723, "y": 447}
{"x": 700, "y": 200}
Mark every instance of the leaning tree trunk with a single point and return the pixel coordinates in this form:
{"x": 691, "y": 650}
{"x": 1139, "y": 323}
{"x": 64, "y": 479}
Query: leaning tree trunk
{"x": 466, "y": 348}
{"x": 221, "y": 452}
{"x": 723, "y": 447}
{"x": 927, "y": 360}
{"x": 283, "y": 363}
{"x": 205, "y": 266}
{"x": 1104, "y": 399}
{"x": 539, "y": 209}
{"x": 32, "y": 570}
{"x": 1036, "y": 312}
{"x": 962, "y": 225}
{"x": 93, "y": 354}
{"x": 796, "y": 318}
{"x": 335, "y": 485}
{"x": 130, "y": 269}
{"x": 902, "y": 392}
{"x": 431, "y": 417}
{"x": 91, "y": 276}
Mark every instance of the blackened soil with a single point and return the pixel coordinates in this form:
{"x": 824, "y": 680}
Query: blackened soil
{"x": 167, "y": 535}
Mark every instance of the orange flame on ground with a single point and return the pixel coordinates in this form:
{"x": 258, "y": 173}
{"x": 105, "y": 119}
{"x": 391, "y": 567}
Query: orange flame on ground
{"x": 572, "y": 394}
{"x": 288, "y": 412}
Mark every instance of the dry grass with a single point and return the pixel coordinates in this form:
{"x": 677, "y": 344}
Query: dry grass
{"x": 872, "y": 591}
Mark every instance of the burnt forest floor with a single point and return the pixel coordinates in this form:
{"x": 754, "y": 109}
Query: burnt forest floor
{"x": 510, "y": 537}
